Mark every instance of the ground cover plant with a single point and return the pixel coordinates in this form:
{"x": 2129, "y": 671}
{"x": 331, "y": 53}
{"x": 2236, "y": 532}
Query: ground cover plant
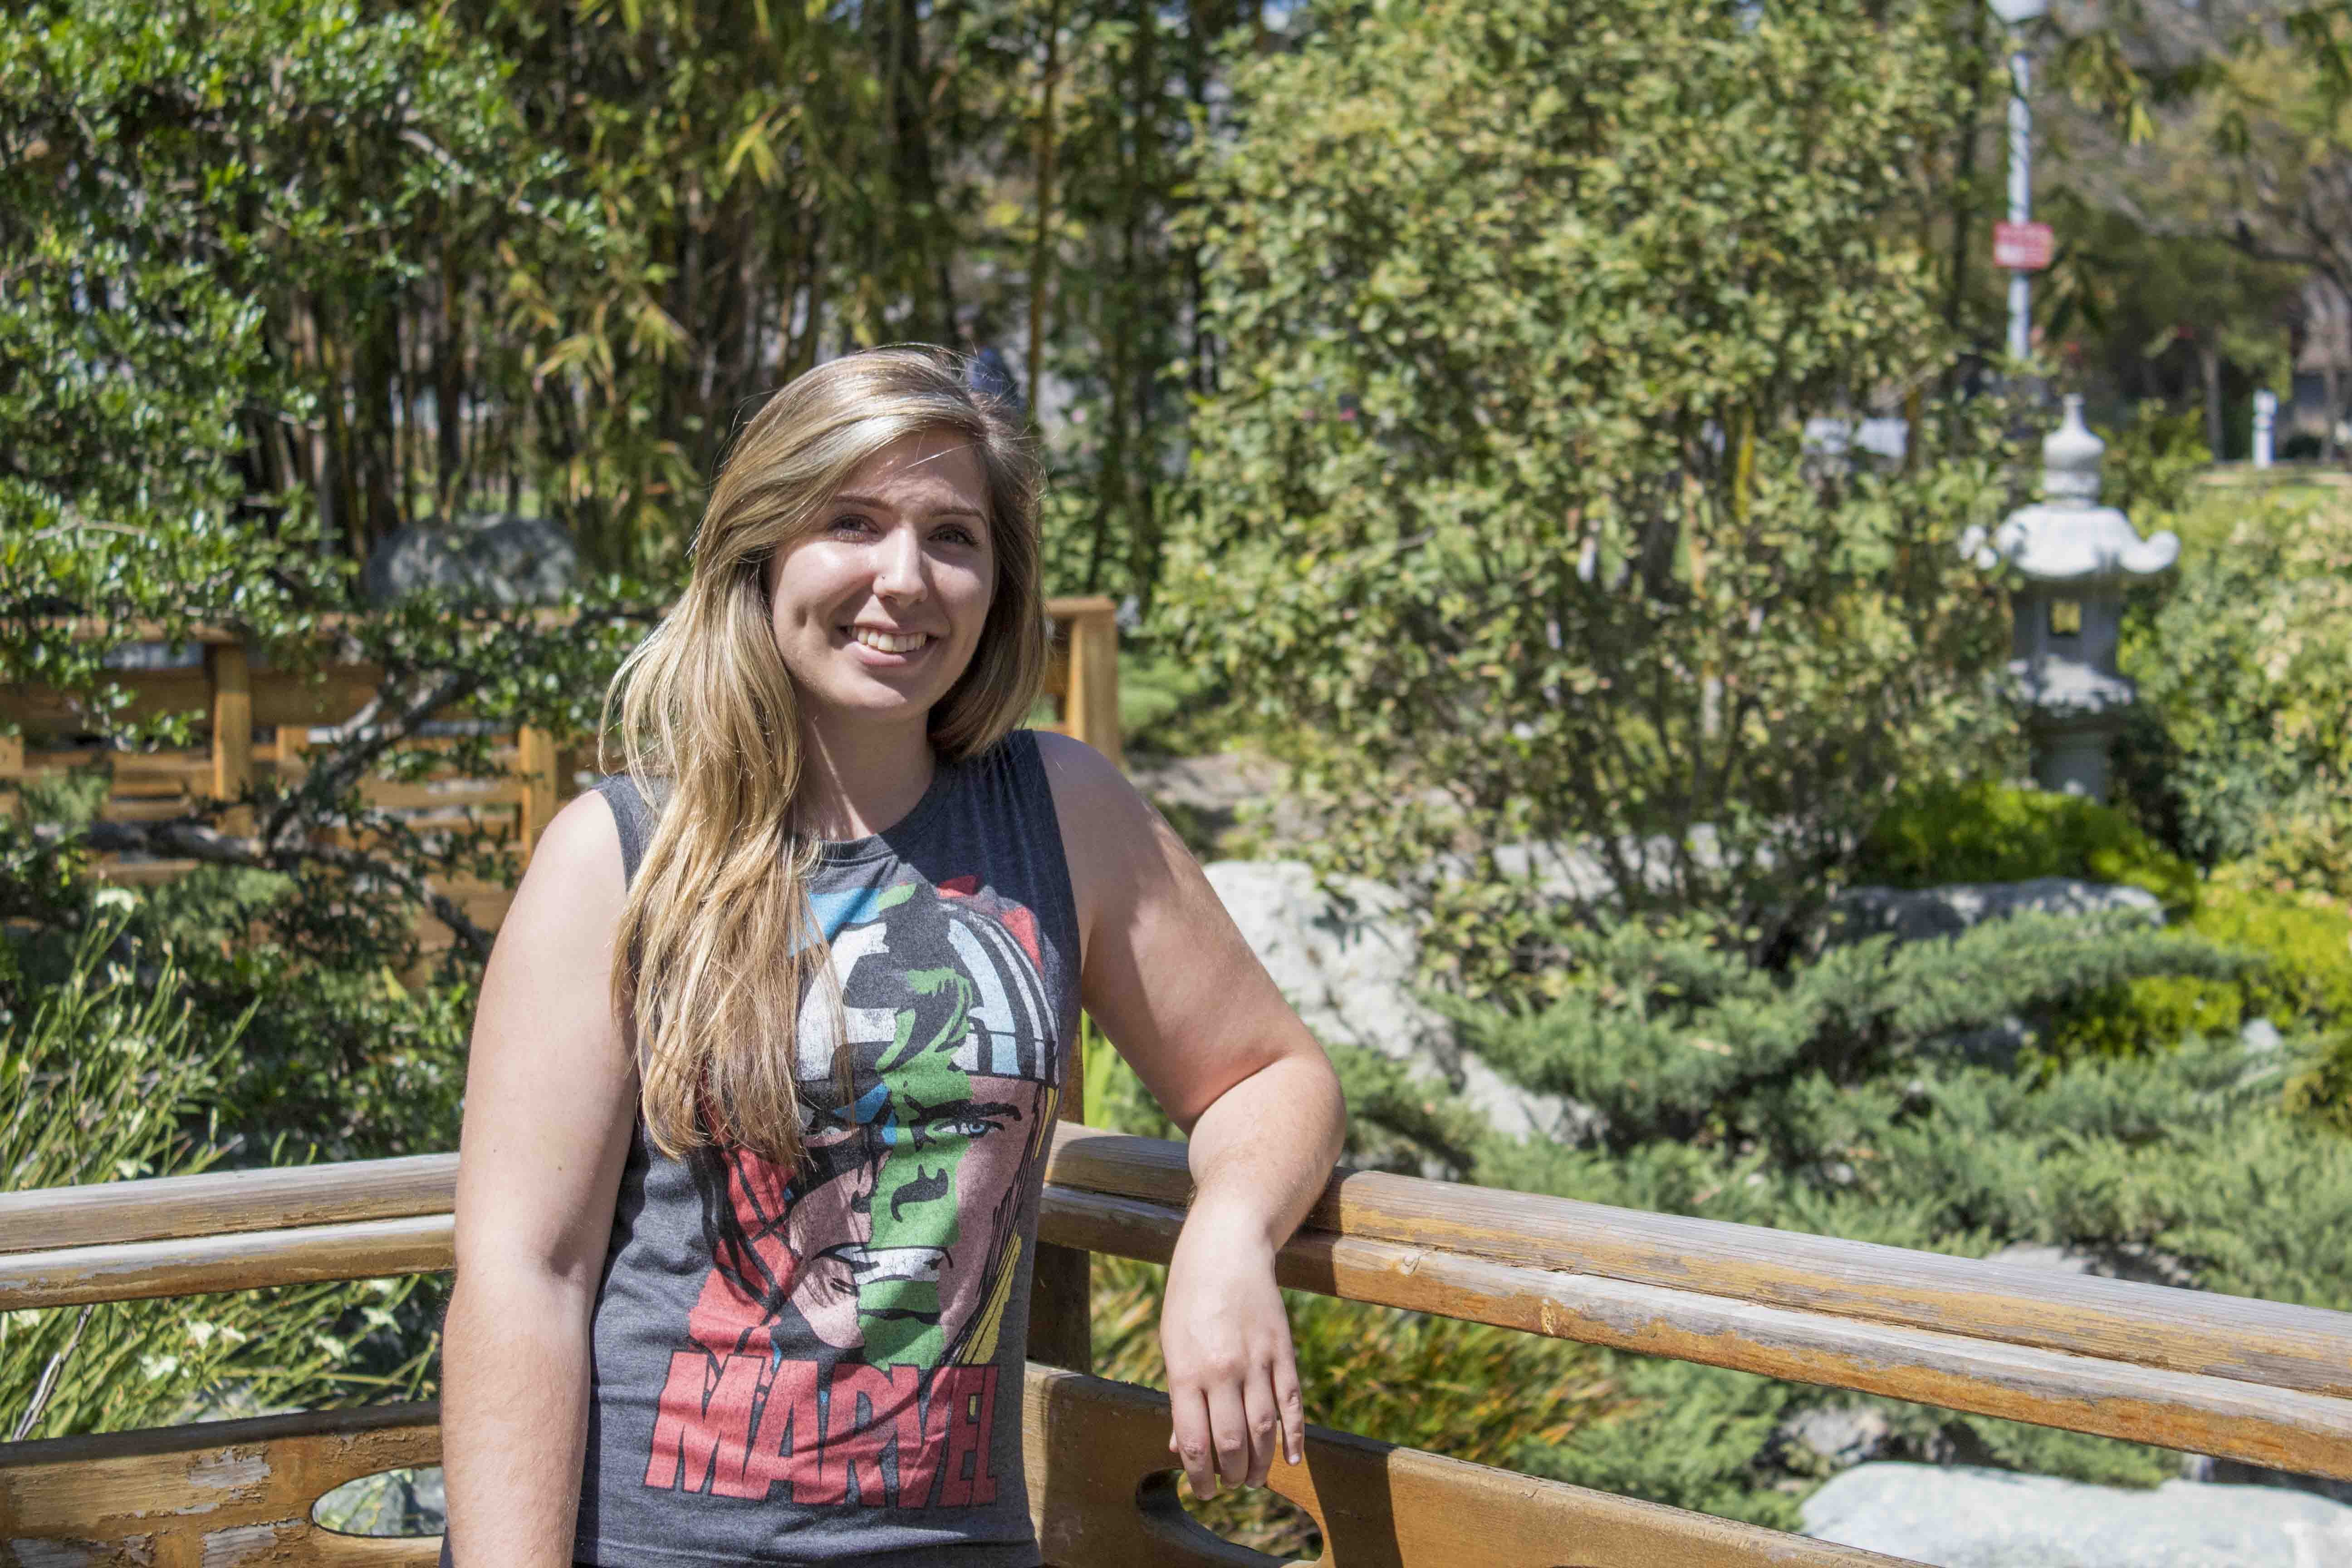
{"x": 1871, "y": 1092}
{"x": 111, "y": 1072}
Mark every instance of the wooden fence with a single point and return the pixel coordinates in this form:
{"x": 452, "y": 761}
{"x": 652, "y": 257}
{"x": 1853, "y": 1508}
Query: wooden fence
{"x": 2216, "y": 1374}
{"x": 258, "y": 724}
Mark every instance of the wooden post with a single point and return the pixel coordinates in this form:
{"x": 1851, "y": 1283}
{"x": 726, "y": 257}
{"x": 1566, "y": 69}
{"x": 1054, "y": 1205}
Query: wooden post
{"x": 535, "y": 760}
{"x": 1093, "y": 703}
{"x": 293, "y": 742}
{"x": 12, "y": 771}
{"x": 231, "y": 678}
{"x": 1060, "y": 1290}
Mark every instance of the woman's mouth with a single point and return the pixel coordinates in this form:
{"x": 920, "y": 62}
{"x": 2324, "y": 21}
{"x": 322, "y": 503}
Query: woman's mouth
{"x": 897, "y": 642}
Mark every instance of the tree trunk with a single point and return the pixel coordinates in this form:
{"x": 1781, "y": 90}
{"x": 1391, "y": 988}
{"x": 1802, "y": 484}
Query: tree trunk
{"x": 2209, "y": 364}
{"x": 1042, "y": 253}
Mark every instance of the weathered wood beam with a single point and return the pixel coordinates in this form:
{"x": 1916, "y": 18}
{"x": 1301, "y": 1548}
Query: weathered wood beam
{"x": 2308, "y": 1434}
{"x": 1100, "y": 1491}
{"x": 2196, "y": 1332}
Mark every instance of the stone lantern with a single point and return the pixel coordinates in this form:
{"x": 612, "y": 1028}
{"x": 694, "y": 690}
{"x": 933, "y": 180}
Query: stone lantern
{"x": 2073, "y": 558}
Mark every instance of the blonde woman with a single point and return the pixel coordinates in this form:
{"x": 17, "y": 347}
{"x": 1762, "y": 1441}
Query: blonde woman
{"x": 768, "y": 1055}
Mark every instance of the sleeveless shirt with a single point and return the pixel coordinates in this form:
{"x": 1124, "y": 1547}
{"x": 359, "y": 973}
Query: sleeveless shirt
{"x": 824, "y": 1364}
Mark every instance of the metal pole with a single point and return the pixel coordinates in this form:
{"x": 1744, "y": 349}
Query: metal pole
{"x": 2021, "y": 190}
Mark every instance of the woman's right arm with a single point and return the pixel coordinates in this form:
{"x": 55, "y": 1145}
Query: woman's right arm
{"x": 551, "y": 1102}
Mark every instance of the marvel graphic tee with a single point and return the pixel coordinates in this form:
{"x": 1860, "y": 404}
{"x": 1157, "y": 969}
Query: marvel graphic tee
{"x": 824, "y": 1364}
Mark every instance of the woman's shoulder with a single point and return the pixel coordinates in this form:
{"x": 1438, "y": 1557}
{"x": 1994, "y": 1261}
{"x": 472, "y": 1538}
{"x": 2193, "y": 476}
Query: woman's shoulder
{"x": 1109, "y": 829}
{"x": 577, "y": 863}
{"x": 1083, "y": 780}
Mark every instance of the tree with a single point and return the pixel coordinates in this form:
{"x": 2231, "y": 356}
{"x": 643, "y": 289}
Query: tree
{"x": 1504, "y": 510}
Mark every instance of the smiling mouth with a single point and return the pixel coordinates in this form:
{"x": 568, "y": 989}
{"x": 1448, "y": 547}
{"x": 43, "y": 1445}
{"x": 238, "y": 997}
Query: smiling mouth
{"x": 890, "y": 642}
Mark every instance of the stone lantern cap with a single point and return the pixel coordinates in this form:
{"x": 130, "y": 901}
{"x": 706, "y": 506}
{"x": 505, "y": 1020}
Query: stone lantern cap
{"x": 2070, "y": 538}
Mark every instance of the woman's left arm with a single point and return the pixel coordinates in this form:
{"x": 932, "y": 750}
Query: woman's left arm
{"x": 1167, "y": 976}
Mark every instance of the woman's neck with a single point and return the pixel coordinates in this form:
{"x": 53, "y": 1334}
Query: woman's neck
{"x": 856, "y": 785}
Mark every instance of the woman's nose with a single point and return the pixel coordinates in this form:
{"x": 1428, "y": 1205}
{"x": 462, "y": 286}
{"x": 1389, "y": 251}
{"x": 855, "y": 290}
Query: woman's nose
{"x": 898, "y": 572}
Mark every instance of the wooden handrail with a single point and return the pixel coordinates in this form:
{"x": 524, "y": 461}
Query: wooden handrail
{"x": 2221, "y": 1375}
{"x": 1101, "y": 1495}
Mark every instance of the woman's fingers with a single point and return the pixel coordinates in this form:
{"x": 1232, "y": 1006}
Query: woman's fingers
{"x": 1229, "y": 1431}
{"x": 1290, "y": 1406}
{"x": 1189, "y": 1442}
{"x": 1262, "y": 1411}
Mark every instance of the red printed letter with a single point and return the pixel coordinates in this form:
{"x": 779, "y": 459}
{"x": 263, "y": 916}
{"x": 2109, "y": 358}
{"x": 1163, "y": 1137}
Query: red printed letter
{"x": 984, "y": 1484}
{"x": 922, "y": 1436}
{"x": 786, "y": 1448}
{"x": 853, "y": 1441}
{"x": 701, "y": 1429}
{"x": 962, "y": 1386}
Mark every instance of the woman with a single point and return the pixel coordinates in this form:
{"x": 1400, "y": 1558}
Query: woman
{"x": 767, "y": 1058}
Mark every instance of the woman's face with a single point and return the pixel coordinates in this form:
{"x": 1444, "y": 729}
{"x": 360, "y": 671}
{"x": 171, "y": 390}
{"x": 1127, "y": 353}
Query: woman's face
{"x": 876, "y": 613}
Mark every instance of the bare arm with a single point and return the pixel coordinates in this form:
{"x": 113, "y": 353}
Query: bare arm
{"x": 1170, "y": 980}
{"x": 551, "y": 1099}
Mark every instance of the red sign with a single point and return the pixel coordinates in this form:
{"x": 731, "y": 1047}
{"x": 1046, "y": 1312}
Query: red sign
{"x": 2022, "y": 247}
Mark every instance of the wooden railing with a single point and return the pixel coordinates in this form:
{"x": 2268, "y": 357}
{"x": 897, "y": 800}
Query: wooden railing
{"x": 2216, "y": 1374}
{"x": 258, "y": 724}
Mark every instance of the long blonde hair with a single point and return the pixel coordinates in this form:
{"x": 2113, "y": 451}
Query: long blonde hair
{"x": 718, "y": 945}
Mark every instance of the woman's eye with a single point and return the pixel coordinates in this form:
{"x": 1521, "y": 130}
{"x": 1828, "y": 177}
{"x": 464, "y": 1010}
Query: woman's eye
{"x": 959, "y": 536}
{"x": 852, "y": 522}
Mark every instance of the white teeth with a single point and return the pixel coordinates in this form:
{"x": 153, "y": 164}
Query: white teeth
{"x": 888, "y": 642}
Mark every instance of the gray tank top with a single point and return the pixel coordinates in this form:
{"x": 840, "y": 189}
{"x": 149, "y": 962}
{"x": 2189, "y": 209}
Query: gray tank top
{"x": 825, "y": 1366}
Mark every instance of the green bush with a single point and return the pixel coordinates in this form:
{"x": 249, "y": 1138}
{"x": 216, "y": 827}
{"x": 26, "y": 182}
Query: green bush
{"x": 109, "y": 1074}
{"x": 1986, "y": 832}
{"x": 2301, "y": 983}
{"x": 1852, "y": 1094}
{"x": 2241, "y": 748}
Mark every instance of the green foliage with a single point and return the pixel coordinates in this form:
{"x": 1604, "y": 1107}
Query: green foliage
{"x": 111, "y": 1074}
{"x": 1489, "y": 1396}
{"x": 1987, "y": 832}
{"x": 1853, "y": 1094}
{"x": 2152, "y": 459}
{"x": 1168, "y": 704}
{"x": 2302, "y": 983}
{"x": 1501, "y": 519}
{"x": 2242, "y": 748}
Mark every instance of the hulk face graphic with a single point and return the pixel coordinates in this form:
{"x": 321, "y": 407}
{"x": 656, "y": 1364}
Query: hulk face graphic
{"x": 896, "y": 1238}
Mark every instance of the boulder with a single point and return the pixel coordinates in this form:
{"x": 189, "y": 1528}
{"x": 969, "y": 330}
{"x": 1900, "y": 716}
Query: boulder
{"x": 1964, "y": 1518}
{"x": 499, "y": 557}
{"x": 1837, "y": 1436}
{"x": 1345, "y": 959}
{"x": 1916, "y": 914}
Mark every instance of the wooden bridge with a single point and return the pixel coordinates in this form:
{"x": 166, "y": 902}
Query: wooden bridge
{"x": 2215, "y": 1374}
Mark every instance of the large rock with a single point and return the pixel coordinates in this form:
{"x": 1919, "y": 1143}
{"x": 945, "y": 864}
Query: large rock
{"x": 499, "y": 557}
{"x": 1960, "y": 1518}
{"x": 1346, "y": 963}
{"x": 1916, "y": 914}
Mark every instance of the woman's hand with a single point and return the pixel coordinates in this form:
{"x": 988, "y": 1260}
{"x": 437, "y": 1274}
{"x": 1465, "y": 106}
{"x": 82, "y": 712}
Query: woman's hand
{"x": 1232, "y": 1378}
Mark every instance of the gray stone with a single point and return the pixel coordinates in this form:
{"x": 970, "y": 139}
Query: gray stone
{"x": 1838, "y": 1435}
{"x": 2239, "y": 1473}
{"x": 494, "y": 556}
{"x": 1961, "y": 1518}
{"x": 1346, "y": 963}
{"x": 1916, "y": 914}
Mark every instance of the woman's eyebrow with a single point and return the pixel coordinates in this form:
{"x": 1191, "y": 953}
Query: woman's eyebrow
{"x": 850, "y": 499}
